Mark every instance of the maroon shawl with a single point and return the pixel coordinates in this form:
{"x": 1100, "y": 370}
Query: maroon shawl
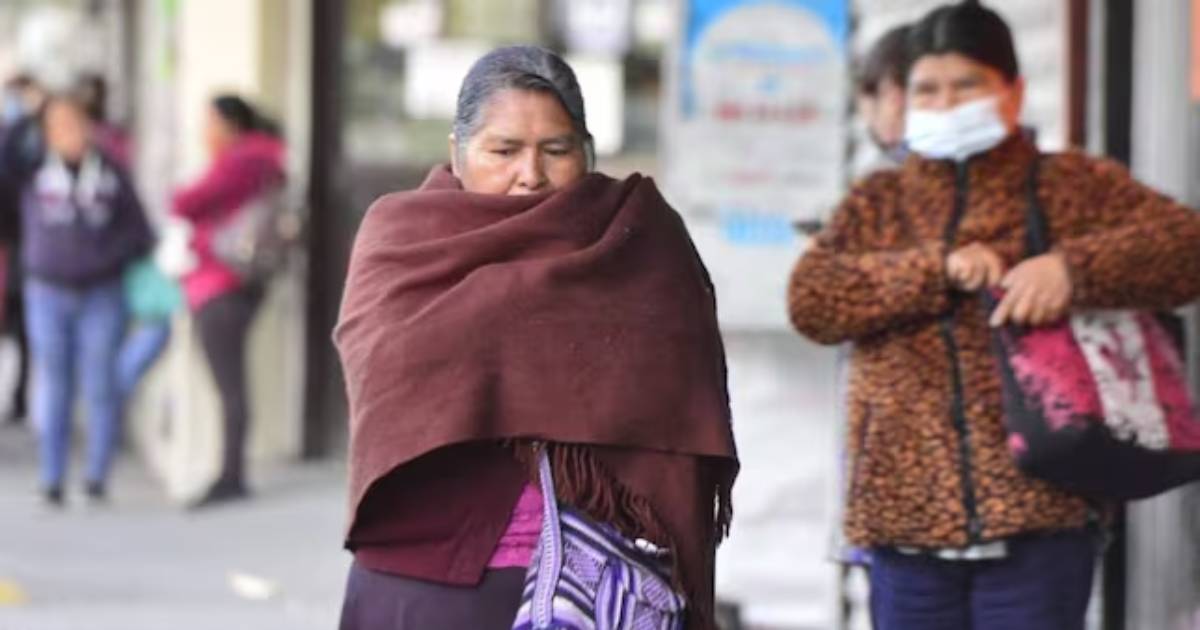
{"x": 582, "y": 317}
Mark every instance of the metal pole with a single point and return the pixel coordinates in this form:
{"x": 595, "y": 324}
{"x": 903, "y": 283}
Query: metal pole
{"x": 324, "y": 274}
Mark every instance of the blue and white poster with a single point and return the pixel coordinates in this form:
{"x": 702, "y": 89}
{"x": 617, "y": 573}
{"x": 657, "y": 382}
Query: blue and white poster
{"x": 755, "y": 138}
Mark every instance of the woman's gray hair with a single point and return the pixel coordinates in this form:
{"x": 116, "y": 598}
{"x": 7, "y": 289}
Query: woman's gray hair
{"x": 519, "y": 68}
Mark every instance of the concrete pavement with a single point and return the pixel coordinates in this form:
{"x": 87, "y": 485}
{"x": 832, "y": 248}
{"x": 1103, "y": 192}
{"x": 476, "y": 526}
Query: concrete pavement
{"x": 141, "y": 564}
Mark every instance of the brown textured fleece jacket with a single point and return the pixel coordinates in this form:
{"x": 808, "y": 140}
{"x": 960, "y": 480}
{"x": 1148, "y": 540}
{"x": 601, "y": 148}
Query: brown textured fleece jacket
{"x": 928, "y": 462}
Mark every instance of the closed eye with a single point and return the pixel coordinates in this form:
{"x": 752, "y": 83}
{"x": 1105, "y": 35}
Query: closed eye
{"x": 925, "y": 89}
{"x": 968, "y": 83}
{"x": 559, "y": 146}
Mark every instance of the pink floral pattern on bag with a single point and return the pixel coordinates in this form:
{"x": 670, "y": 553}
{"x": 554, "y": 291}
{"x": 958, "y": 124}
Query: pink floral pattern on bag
{"x": 1100, "y": 404}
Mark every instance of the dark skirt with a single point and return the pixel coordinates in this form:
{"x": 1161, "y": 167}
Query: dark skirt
{"x": 381, "y": 601}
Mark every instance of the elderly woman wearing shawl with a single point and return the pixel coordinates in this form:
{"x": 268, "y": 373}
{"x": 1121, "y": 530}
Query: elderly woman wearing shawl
{"x": 516, "y": 300}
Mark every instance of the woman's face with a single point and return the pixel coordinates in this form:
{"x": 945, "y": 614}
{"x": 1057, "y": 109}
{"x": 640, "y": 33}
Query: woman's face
{"x": 942, "y": 82}
{"x": 68, "y": 132}
{"x": 884, "y": 113}
{"x": 525, "y": 145}
{"x": 218, "y": 133}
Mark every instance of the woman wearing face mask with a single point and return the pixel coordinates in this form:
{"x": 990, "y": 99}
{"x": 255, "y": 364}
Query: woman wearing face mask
{"x": 960, "y": 537}
{"x": 517, "y": 300}
{"x": 82, "y": 225}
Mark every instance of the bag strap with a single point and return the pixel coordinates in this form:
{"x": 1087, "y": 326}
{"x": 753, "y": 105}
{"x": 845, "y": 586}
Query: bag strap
{"x": 1037, "y": 226}
{"x": 549, "y": 549}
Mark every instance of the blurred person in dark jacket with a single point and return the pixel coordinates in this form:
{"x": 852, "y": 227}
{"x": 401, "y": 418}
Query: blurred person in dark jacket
{"x": 247, "y": 163}
{"x": 23, "y": 144}
{"x": 21, "y": 149}
{"x": 151, "y": 297}
{"x": 82, "y": 224}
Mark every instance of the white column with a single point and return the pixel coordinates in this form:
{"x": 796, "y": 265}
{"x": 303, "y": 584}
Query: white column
{"x": 219, "y": 43}
{"x": 1164, "y": 533}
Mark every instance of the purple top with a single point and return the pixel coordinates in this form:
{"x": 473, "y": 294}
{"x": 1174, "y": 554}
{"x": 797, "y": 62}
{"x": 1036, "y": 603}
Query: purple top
{"x": 520, "y": 538}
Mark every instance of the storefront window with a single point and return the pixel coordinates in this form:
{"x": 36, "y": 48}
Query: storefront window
{"x": 49, "y": 38}
{"x": 404, "y": 60}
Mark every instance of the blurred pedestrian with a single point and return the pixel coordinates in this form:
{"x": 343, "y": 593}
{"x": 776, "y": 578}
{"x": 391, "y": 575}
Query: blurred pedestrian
{"x": 960, "y": 537}
{"x": 881, "y": 106}
{"x": 152, "y": 298}
{"x": 22, "y": 101}
{"x": 22, "y": 142}
{"x": 247, "y": 164}
{"x": 519, "y": 313}
{"x": 82, "y": 224}
{"x": 881, "y": 98}
{"x": 110, "y": 137}
{"x": 21, "y": 150}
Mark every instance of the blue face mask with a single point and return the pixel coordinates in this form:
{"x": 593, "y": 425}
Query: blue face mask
{"x": 896, "y": 152}
{"x": 12, "y": 108}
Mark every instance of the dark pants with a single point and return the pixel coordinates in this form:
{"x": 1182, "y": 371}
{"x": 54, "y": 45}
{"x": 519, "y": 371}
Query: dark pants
{"x": 14, "y": 324}
{"x": 1044, "y": 584}
{"x": 223, "y": 324}
{"x": 380, "y": 601}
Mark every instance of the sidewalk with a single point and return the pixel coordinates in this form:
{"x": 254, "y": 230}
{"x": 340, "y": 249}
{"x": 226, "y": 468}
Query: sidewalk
{"x": 141, "y": 564}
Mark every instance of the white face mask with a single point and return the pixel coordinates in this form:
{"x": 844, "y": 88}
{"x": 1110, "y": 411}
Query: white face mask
{"x": 955, "y": 134}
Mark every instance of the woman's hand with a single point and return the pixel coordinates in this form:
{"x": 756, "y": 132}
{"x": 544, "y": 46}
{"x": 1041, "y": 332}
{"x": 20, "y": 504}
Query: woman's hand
{"x": 974, "y": 267}
{"x": 1038, "y": 292}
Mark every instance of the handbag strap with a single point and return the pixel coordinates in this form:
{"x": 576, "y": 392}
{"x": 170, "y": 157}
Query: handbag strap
{"x": 549, "y": 549}
{"x": 1037, "y": 226}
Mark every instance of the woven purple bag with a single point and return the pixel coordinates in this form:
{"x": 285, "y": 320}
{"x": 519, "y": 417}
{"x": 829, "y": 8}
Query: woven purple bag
{"x": 587, "y": 576}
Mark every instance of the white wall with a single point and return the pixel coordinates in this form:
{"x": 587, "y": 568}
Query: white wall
{"x": 1164, "y": 533}
{"x": 776, "y": 562}
{"x": 218, "y": 52}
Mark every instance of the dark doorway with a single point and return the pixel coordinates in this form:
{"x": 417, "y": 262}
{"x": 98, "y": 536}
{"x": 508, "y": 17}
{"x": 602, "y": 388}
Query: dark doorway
{"x": 343, "y": 183}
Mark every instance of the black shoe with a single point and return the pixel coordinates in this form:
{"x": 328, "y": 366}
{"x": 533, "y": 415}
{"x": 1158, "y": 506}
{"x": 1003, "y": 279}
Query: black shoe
{"x": 96, "y": 492}
{"x": 221, "y": 493}
{"x": 53, "y": 497}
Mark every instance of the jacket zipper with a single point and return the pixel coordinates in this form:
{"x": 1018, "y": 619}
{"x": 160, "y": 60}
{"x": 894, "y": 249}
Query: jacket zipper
{"x": 958, "y": 412}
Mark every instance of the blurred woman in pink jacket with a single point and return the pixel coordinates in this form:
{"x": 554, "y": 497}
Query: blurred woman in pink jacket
{"x": 247, "y": 163}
